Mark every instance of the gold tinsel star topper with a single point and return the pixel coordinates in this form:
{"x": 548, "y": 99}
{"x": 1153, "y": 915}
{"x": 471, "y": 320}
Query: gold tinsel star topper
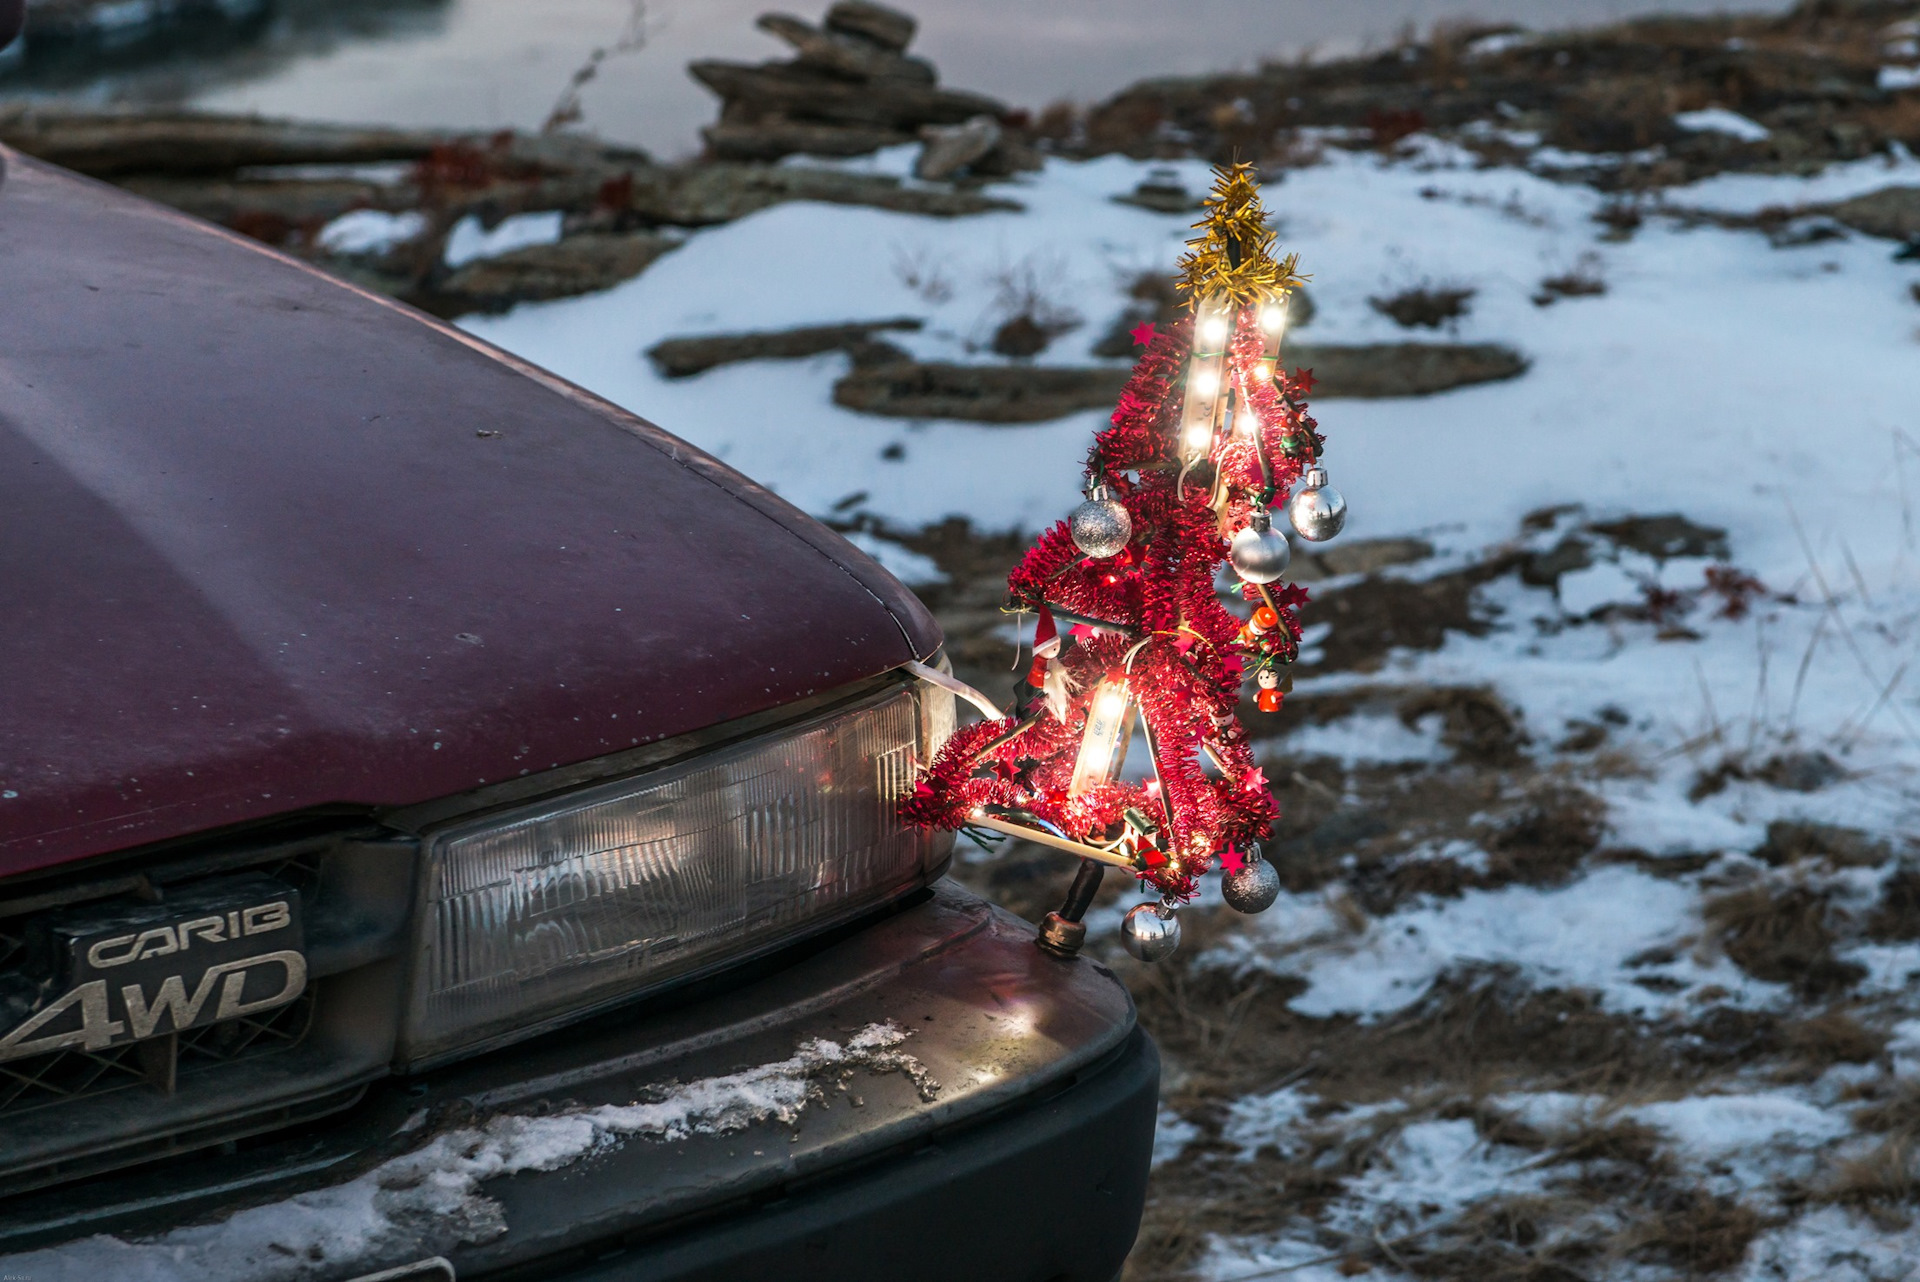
{"x": 1233, "y": 258}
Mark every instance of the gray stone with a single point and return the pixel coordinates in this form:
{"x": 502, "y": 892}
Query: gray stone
{"x": 1667, "y": 535}
{"x": 1543, "y": 569}
{"x": 947, "y": 149}
{"x": 889, "y": 28}
{"x": 1893, "y": 212}
{"x": 1362, "y": 556}
{"x": 842, "y": 55}
{"x": 806, "y": 93}
{"x": 776, "y": 137}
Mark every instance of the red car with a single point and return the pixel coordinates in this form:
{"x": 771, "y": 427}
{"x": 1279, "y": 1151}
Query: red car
{"x": 398, "y": 742}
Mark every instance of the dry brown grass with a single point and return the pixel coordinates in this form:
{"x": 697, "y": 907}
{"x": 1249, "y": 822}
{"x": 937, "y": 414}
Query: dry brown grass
{"x": 1781, "y": 935}
{"x": 1617, "y": 1196}
{"x": 1691, "y": 1229}
{"x": 1882, "y": 1177}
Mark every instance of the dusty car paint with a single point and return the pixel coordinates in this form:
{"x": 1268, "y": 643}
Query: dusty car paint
{"x": 268, "y": 543}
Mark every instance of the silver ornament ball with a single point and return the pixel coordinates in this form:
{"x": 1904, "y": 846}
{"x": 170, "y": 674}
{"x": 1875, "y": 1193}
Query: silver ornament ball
{"x": 1259, "y": 552}
{"x": 1150, "y": 932}
{"x": 1100, "y": 526}
{"x": 1251, "y": 888}
{"x": 1318, "y": 511}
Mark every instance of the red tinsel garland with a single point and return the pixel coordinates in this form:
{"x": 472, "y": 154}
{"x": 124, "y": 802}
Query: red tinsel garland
{"x": 1159, "y": 625}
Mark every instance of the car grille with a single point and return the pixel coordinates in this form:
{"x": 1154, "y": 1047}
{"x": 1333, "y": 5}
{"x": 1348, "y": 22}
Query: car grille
{"x": 71, "y": 1112}
{"x": 61, "y": 1076}
{"x": 40, "y": 1080}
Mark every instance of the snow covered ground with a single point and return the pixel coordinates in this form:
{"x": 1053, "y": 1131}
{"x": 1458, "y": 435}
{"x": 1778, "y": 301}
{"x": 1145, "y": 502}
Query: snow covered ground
{"x": 1770, "y": 393}
{"x": 1773, "y": 393}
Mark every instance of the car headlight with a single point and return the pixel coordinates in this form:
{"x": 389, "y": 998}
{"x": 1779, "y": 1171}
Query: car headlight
{"x": 542, "y": 913}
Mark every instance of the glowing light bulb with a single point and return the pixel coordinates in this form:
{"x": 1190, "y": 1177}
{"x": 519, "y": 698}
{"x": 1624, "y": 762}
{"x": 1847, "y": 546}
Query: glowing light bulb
{"x": 1103, "y": 744}
{"x": 1206, "y": 382}
{"x": 1199, "y": 437}
{"x": 1273, "y": 318}
{"x": 1214, "y": 329}
{"x": 1247, "y": 423}
{"x": 1264, "y": 371}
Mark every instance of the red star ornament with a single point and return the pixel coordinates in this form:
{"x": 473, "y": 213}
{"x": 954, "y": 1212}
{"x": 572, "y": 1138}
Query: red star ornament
{"x": 1143, "y": 335}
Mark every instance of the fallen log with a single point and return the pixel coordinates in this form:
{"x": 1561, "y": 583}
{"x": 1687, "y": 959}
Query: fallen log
{"x": 979, "y": 393}
{"x": 1039, "y": 393}
{"x": 106, "y": 144}
{"x": 702, "y": 195}
{"x": 581, "y": 264}
{"x": 685, "y": 357}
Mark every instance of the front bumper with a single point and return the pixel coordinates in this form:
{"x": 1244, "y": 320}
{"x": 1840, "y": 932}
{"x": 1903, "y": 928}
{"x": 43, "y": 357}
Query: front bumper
{"x": 1016, "y": 1148}
{"x": 1049, "y": 1192}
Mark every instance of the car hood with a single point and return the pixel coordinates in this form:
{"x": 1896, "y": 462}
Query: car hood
{"x": 269, "y": 542}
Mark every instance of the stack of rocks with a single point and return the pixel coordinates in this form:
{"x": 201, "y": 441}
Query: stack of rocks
{"x": 850, "y": 89}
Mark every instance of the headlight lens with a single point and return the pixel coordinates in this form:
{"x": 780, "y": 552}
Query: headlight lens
{"x": 548, "y": 911}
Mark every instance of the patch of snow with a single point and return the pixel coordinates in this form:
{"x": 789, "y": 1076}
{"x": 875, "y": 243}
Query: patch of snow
{"x": 429, "y": 1201}
{"x": 1578, "y": 936}
{"x": 1654, "y": 815}
{"x": 1602, "y": 583}
{"x": 1896, "y": 79}
{"x": 1832, "y": 1244}
{"x": 1427, "y": 1172}
{"x": 1718, "y": 120}
{"x": 370, "y": 231}
{"x": 1904, "y": 1047}
{"x": 1892, "y": 970}
{"x": 1171, "y": 1135}
{"x": 1550, "y": 1111}
{"x": 1748, "y": 1143}
{"x": 1256, "y": 1120}
{"x": 1364, "y": 737}
{"x": 912, "y": 568}
{"x": 1498, "y": 42}
{"x": 1719, "y": 1125}
{"x": 469, "y": 241}
{"x": 1292, "y": 1257}
{"x": 383, "y": 173}
{"x": 1737, "y": 193}
{"x": 1442, "y": 1165}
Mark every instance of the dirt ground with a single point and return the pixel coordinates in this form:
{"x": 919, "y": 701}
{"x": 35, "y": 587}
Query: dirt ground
{"x": 1363, "y": 836}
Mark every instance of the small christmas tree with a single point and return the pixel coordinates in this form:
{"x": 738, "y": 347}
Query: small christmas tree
{"x": 1210, "y": 434}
